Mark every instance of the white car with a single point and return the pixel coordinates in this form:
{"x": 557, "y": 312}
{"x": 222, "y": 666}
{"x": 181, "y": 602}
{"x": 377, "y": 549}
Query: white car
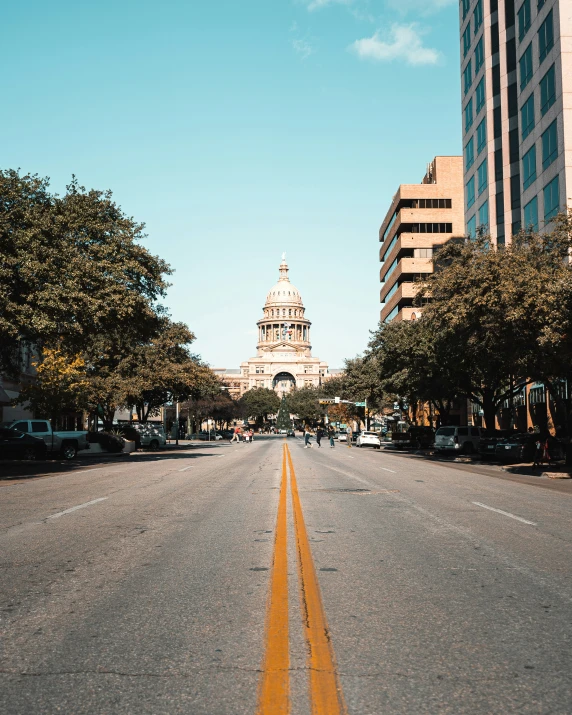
{"x": 458, "y": 439}
{"x": 368, "y": 439}
{"x": 343, "y": 437}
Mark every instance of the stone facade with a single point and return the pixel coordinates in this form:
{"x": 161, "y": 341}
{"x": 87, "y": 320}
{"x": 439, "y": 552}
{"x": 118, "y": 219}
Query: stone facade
{"x": 284, "y": 350}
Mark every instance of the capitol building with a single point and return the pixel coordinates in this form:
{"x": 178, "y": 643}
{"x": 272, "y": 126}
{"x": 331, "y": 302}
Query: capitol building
{"x": 284, "y": 351}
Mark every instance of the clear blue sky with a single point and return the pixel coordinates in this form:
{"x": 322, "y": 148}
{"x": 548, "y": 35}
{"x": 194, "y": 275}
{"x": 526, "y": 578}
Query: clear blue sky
{"x": 238, "y": 129}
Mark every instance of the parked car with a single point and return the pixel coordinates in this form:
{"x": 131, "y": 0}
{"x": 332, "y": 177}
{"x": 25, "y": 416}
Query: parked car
{"x": 290, "y": 433}
{"x": 521, "y": 448}
{"x": 19, "y": 445}
{"x": 464, "y": 440}
{"x": 490, "y": 439}
{"x": 342, "y": 436}
{"x": 210, "y": 436}
{"x": 368, "y": 439}
{"x": 65, "y": 444}
{"x": 152, "y": 435}
{"x": 414, "y": 438}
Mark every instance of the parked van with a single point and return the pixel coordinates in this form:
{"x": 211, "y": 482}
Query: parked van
{"x": 458, "y": 439}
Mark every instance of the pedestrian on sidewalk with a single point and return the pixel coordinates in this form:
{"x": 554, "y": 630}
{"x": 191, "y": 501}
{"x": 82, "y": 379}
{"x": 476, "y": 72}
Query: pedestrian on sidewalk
{"x": 250, "y": 436}
{"x": 538, "y": 454}
{"x": 307, "y": 435}
{"x": 319, "y": 435}
{"x": 349, "y": 431}
{"x": 331, "y": 435}
{"x": 545, "y": 452}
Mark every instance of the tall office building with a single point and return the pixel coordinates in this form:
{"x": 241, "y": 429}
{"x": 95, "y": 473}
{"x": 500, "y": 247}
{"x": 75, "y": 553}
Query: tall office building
{"x": 421, "y": 218}
{"x": 516, "y": 84}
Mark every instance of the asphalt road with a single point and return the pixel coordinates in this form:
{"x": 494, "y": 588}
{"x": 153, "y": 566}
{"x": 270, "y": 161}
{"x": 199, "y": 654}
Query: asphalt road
{"x": 230, "y": 579}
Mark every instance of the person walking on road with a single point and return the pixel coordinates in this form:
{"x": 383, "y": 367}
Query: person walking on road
{"x": 349, "y": 432}
{"x": 319, "y": 434}
{"x": 331, "y": 434}
{"x": 250, "y": 436}
{"x": 307, "y": 435}
{"x": 236, "y": 435}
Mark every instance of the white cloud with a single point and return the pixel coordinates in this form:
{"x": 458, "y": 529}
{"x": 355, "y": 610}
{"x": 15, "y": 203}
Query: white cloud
{"x": 302, "y": 48}
{"x": 422, "y": 7}
{"x": 317, "y": 4}
{"x": 404, "y": 43}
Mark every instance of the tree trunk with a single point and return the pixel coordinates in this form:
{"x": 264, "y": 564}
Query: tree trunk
{"x": 489, "y": 409}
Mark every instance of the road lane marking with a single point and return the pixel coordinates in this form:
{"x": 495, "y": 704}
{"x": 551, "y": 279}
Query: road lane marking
{"x": 75, "y": 508}
{"x": 184, "y": 469}
{"x": 505, "y": 513}
{"x": 385, "y": 469}
{"x": 326, "y": 695}
{"x": 274, "y": 687}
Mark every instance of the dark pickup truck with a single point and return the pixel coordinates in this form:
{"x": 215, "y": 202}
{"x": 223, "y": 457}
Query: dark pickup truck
{"x": 414, "y": 438}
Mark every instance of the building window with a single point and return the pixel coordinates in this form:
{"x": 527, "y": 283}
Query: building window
{"x": 527, "y": 116}
{"x": 531, "y": 215}
{"x": 466, "y": 6}
{"x": 523, "y": 19}
{"x": 468, "y": 77}
{"x": 478, "y": 15}
{"x": 549, "y": 145}
{"x": 259, "y": 369}
{"x": 479, "y": 55}
{"x": 431, "y": 203}
{"x": 480, "y": 95}
{"x": 307, "y": 369}
{"x": 525, "y": 67}
{"x": 482, "y": 176}
{"x": 466, "y": 40}
{"x": 537, "y": 394}
{"x": 469, "y": 115}
{"x": 472, "y": 227}
{"x": 422, "y": 253}
{"x": 470, "y": 192}
{"x": 484, "y": 216}
{"x": 481, "y": 136}
{"x": 551, "y": 199}
{"x": 547, "y": 90}
{"x": 392, "y": 315}
{"x": 529, "y": 167}
{"x": 469, "y": 154}
{"x": 428, "y": 227}
{"x": 545, "y": 37}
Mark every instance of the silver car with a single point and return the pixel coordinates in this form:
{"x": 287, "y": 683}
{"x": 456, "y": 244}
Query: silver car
{"x": 462, "y": 440}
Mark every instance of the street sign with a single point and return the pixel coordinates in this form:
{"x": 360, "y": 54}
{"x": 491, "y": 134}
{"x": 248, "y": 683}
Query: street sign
{"x": 360, "y": 404}
{"x": 327, "y": 401}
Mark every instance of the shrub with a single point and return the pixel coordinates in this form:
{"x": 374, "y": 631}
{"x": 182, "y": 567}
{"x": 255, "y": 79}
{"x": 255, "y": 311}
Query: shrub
{"x": 108, "y": 440}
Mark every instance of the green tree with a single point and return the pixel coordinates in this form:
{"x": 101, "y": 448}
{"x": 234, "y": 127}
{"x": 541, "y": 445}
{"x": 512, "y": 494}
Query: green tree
{"x": 71, "y": 270}
{"x": 259, "y": 402}
{"x": 60, "y": 385}
{"x": 283, "y": 420}
{"x": 304, "y": 402}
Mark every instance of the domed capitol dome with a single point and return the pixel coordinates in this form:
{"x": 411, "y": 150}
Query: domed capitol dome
{"x": 284, "y": 352}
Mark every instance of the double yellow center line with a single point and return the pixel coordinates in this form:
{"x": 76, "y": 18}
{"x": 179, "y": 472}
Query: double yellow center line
{"x": 326, "y": 696}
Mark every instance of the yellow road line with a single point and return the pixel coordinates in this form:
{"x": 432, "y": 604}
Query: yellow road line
{"x": 274, "y": 688}
{"x": 326, "y": 693}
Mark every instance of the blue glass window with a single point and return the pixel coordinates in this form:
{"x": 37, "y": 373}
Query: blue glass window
{"x": 472, "y": 227}
{"x": 482, "y": 136}
{"x": 467, "y": 77}
{"x": 546, "y": 37}
{"x": 547, "y": 90}
{"x": 478, "y": 15}
{"x": 549, "y": 145}
{"x": 525, "y": 67}
{"x": 529, "y": 167}
{"x": 483, "y": 177}
{"x": 466, "y": 6}
{"x": 467, "y": 40}
{"x": 531, "y": 215}
{"x": 469, "y": 114}
{"x": 551, "y": 199}
{"x": 484, "y": 216}
{"x": 479, "y": 55}
{"x": 470, "y": 192}
{"x": 480, "y": 95}
{"x": 523, "y": 19}
{"x": 527, "y": 116}
{"x": 469, "y": 154}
